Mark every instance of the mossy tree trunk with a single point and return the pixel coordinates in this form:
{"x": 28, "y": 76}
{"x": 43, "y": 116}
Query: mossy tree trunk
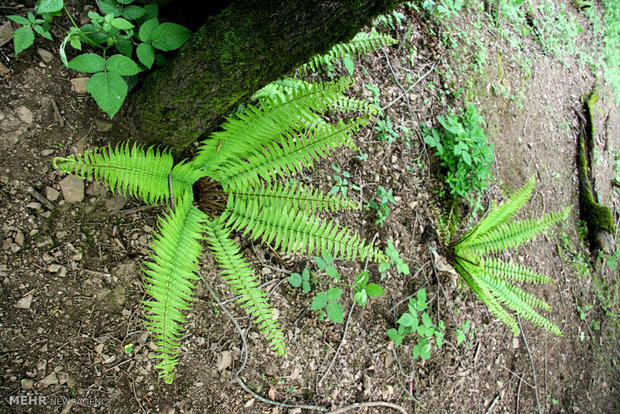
{"x": 235, "y": 53}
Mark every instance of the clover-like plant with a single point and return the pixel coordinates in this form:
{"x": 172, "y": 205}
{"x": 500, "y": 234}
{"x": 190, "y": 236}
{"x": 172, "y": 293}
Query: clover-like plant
{"x": 492, "y": 278}
{"x": 235, "y": 183}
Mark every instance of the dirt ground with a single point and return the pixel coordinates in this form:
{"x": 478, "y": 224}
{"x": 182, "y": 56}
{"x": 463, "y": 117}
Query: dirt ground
{"x": 70, "y": 254}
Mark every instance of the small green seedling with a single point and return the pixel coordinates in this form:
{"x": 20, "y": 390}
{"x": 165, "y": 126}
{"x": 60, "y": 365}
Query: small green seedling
{"x": 385, "y": 130}
{"x": 381, "y": 204}
{"x": 23, "y": 37}
{"x": 342, "y": 181}
{"x": 462, "y": 332}
{"x": 364, "y": 290}
{"x": 301, "y": 280}
{"x": 394, "y": 259}
{"x": 328, "y": 301}
{"x": 418, "y": 324}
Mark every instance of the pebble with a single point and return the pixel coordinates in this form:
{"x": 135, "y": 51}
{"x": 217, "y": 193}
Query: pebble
{"x": 24, "y": 114}
{"x": 34, "y": 205}
{"x": 72, "y": 189}
{"x": 27, "y": 384}
{"x": 79, "y": 84}
{"x": 46, "y": 56}
{"x": 25, "y": 302}
{"x": 11, "y": 138}
{"x": 54, "y": 268}
{"x": 51, "y": 379}
{"x": 103, "y": 126}
{"x": 51, "y": 193}
{"x": 6, "y": 33}
{"x": 19, "y": 238}
{"x": 47, "y": 152}
{"x": 6, "y": 245}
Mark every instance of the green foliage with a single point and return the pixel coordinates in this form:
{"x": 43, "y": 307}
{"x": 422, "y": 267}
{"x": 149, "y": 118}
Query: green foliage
{"x": 381, "y": 204}
{"x": 341, "y": 179}
{"x": 364, "y": 290}
{"x": 361, "y": 43}
{"x": 385, "y": 130}
{"x": 464, "y": 151}
{"x": 280, "y": 135}
{"x": 462, "y": 332}
{"x": 491, "y": 278}
{"x": 121, "y": 26}
{"x": 417, "y": 323}
{"x": 394, "y": 259}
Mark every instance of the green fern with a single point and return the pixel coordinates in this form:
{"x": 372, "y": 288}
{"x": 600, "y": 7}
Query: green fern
{"x": 242, "y": 167}
{"x": 361, "y": 43}
{"x": 491, "y": 278}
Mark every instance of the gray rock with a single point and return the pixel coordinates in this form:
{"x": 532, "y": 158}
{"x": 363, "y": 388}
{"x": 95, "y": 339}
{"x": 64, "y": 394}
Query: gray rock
{"x": 46, "y": 56}
{"x": 72, "y": 189}
{"x": 115, "y": 203}
{"x": 6, "y": 33}
{"x": 103, "y": 126}
{"x": 10, "y": 138}
{"x": 24, "y": 114}
{"x": 47, "y": 152}
{"x": 19, "y": 238}
{"x": 25, "y": 302}
{"x": 79, "y": 84}
{"x": 51, "y": 193}
{"x": 51, "y": 379}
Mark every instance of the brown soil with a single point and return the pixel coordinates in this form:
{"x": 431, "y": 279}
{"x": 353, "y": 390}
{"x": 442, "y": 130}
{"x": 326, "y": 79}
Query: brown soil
{"x": 71, "y": 282}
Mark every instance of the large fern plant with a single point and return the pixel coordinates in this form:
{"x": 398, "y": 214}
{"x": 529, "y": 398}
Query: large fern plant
{"x": 492, "y": 279}
{"x": 238, "y": 181}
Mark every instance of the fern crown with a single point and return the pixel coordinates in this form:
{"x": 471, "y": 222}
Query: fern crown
{"x": 492, "y": 279}
{"x": 237, "y": 175}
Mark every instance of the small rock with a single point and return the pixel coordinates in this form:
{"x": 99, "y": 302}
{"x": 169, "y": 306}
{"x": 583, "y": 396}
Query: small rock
{"x": 27, "y": 384}
{"x": 6, "y": 245}
{"x": 24, "y": 114}
{"x": 11, "y": 138}
{"x": 34, "y": 205}
{"x": 79, "y": 84}
{"x": 515, "y": 343}
{"x": 47, "y": 152}
{"x": 51, "y": 193}
{"x": 46, "y": 56}
{"x": 51, "y": 379}
{"x": 25, "y": 302}
{"x": 4, "y": 70}
{"x": 72, "y": 189}
{"x": 103, "y": 126}
{"x": 224, "y": 361}
{"x": 115, "y": 203}
{"x": 19, "y": 238}
{"x": 6, "y": 33}
{"x": 54, "y": 268}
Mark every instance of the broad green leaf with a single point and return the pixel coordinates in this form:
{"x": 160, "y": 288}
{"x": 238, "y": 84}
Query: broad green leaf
{"x": 169, "y": 36}
{"x": 335, "y": 313}
{"x": 295, "y": 280}
{"x": 76, "y": 43}
{"x": 109, "y": 90}
{"x": 146, "y": 30}
{"x": 125, "y": 46}
{"x": 426, "y": 320}
{"x": 331, "y": 271}
{"x": 406, "y": 320}
{"x": 421, "y": 298}
{"x": 305, "y": 286}
{"x": 373, "y": 290}
{"x": 133, "y": 12}
{"x": 319, "y": 262}
{"x": 109, "y": 6}
{"x": 20, "y": 20}
{"x": 319, "y": 301}
{"x": 361, "y": 279}
{"x": 23, "y": 38}
{"x": 122, "y": 65}
{"x": 394, "y": 336}
{"x": 49, "y": 6}
{"x": 348, "y": 63}
{"x": 121, "y": 24}
{"x": 88, "y": 63}
{"x": 125, "y": 1}
{"x": 333, "y": 294}
{"x": 361, "y": 297}
{"x": 45, "y": 33}
{"x": 152, "y": 11}
{"x": 146, "y": 54}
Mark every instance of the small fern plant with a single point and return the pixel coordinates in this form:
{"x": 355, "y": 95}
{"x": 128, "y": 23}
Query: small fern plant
{"x": 492, "y": 279}
{"x": 236, "y": 182}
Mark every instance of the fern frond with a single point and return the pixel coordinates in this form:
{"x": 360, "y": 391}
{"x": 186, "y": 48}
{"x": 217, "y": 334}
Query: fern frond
{"x": 519, "y": 301}
{"x": 361, "y": 43}
{"x": 512, "y": 235}
{"x": 514, "y": 272}
{"x": 299, "y": 231}
{"x": 259, "y": 125}
{"x": 290, "y": 196}
{"x": 176, "y": 251}
{"x": 469, "y": 273}
{"x": 503, "y": 213}
{"x": 293, "y": 153}
{"x": 241, "y": 279}
{"x": 134, "y": 170}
